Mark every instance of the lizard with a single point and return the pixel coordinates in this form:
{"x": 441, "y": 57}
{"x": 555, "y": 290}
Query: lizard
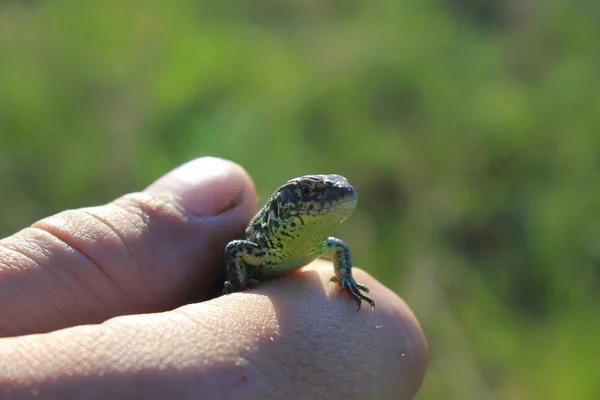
{"x": 291, "y": 230}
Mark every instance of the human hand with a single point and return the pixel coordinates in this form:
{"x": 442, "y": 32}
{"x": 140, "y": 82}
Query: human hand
{"x": 89, "y": 297}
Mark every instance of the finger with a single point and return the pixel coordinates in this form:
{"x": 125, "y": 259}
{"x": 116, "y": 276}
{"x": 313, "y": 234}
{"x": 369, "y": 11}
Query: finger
{"x": 143, "y": 252}
{"x": 292, "y": 338}
{"x": 386, "y": 347}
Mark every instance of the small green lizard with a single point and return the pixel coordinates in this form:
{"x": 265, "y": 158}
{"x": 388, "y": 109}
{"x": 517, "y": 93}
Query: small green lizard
{"x": 291, "y": 230}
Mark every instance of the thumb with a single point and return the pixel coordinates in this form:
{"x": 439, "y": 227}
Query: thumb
{"x": 143, "y": 252}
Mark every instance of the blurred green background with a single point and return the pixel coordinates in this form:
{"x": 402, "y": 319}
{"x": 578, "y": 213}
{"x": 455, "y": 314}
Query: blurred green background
{"x": 470, "y": 129}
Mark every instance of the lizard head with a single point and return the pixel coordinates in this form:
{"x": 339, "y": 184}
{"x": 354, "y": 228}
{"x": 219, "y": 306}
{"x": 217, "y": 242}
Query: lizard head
{"x": 321, "y": 199}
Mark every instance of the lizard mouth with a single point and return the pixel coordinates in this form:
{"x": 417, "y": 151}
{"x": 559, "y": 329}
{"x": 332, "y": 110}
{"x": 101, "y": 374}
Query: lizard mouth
{"x": 348, "y": 204}
{"x": 338, "y": 206}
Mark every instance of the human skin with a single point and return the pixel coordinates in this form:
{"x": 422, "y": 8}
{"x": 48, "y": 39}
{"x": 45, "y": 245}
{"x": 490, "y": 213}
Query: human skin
{"x": 117, "y": 301}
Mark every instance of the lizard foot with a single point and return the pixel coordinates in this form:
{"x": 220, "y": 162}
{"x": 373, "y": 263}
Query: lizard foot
{"x": 228, "y": 287}
{"x": 354, "y": 289}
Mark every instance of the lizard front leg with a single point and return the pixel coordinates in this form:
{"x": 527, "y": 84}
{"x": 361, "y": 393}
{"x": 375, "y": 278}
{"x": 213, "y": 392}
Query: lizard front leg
{"x": 338, "y": 251}
{"x": 236, "y": 266}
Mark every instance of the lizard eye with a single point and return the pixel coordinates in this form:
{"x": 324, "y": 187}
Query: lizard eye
{"x": 306, "y": 189}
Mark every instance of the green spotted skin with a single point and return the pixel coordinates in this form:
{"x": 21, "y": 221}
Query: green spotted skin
{"x": 291, "y": 230}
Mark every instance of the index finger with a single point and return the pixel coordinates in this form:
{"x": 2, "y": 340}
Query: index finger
{"x": 372, "y": 354}
{"x": 291, "y": 338}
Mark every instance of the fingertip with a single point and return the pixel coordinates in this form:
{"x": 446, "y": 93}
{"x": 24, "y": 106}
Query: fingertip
{"x": 208, "y": 186}
{"x": 403, "y": 346}
{"x": 400, "y": 347}
{"x": 314, "y": 315}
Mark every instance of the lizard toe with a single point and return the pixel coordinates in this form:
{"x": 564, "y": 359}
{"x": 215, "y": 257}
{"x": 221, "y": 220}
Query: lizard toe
{"x": 354, "y": 289}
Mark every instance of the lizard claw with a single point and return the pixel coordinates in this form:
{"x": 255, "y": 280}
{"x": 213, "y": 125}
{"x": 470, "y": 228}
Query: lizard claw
{"x": 354, "y": 289}
{"x": 228, "y": 287}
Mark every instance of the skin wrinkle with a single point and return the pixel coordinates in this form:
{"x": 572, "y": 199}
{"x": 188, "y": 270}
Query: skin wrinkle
{"x": 7, "y": 246}
{"x": 130, "y": 220}
{"x": 160, "y": 217}
{"x": 111, "y": 227}
{"x": 135, "y": 205}
{"x": 149, "y": 206}
{"x": 35, "y": 303}
{"x": 13, "y": 321}
{"x": 55, "y": 226}
{"x": 147, "y": 213}
{"x": 51, "y": 271}
{"x": 237, "y": 199}
{"x": 132, "y": 217}
{"x": 79, "y": 252}
{"x": 145, "y": 208}
{"x": 69, "y": 271}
